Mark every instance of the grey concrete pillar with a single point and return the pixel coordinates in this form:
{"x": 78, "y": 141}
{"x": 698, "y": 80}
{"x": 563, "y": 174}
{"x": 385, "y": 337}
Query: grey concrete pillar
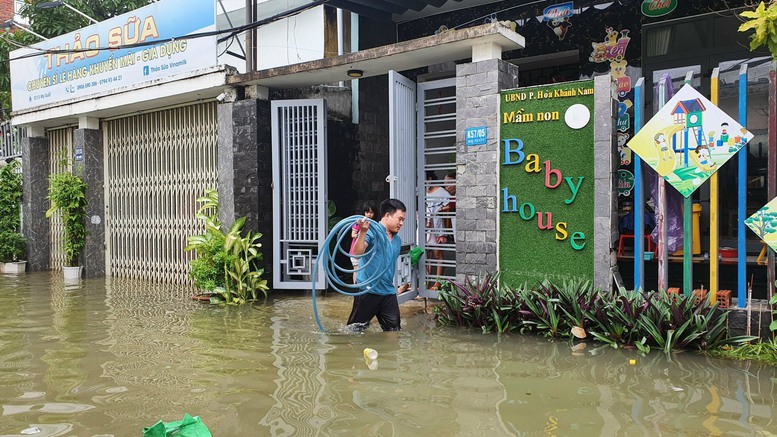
{"x": 264, "y": 185}
{"x": 35, "y": 168}
{"x": 477, "y": 182}
{"x": 88, "y": 155}
{"x": 245, "y": 169}
{"x": 237, "y": 162}
{"x": 605, "y": 173}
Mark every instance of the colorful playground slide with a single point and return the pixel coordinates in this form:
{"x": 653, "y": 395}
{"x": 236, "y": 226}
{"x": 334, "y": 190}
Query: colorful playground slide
{"x": 705, "y": 167}
{"x": 666, "y": 164}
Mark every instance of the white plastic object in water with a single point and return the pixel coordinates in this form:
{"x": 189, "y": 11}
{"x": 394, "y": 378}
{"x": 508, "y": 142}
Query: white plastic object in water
{"x": 370, "y": 354}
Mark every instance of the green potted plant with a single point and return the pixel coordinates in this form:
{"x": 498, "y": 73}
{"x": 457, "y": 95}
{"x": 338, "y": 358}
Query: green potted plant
{"x": 227, "y": 266}
{"x": 12, "y": 243}
{"x": 67, "y": 193}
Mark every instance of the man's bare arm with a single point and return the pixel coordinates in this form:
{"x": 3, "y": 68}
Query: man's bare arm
{"x": 361, "y": 243}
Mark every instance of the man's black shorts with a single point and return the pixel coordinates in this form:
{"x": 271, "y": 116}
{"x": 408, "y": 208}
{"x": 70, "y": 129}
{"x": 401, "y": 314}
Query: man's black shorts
{"x": 369, "y": 305}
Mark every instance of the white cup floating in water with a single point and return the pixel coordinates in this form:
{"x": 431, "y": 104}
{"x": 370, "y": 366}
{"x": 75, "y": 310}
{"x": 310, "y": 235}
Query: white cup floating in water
{"x": 370, "y": 354}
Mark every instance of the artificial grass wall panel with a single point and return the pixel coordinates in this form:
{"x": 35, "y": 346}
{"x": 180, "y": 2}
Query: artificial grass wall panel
{"x": 526, "y": 252}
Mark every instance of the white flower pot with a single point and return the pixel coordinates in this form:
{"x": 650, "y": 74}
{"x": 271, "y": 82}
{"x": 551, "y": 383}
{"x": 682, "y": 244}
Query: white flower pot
{"x": 15, "y": 267}
{"x": 72, "y": 272}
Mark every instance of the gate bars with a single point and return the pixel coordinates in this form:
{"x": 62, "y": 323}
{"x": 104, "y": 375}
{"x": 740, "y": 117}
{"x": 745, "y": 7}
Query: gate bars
{"x": 639, "y": 113}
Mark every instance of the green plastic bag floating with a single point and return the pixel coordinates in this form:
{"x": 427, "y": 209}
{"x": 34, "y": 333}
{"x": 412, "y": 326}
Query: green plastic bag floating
{"x": 188, "y": 427}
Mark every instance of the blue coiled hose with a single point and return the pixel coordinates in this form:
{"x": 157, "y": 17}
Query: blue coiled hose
{"x": 327, "y": 254}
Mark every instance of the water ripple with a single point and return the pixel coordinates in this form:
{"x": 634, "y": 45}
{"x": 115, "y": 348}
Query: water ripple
{"x": 107, "y": 356}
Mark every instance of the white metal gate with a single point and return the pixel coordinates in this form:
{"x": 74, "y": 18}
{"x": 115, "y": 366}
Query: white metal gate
{"x": 402, "y": 149}
{"x": 437, "y": 154}
{"x": 299, "y": 191}
{"x": 60, "y": 160}
{"x": 156, "y": 166}
{"x": 402, "y": 169}
{"x": 11, "y": 140}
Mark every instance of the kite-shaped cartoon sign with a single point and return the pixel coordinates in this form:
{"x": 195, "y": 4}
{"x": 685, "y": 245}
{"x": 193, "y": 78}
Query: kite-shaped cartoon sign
{"x": 688, "y": 140}
{"x": 764, "y": 223}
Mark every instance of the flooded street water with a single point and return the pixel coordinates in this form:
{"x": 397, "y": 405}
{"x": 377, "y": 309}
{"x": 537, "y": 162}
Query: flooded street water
{"x": 108, "y": 357}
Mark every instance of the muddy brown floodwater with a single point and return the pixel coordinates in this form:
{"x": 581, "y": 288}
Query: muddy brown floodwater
{"x": 108, "y": 357}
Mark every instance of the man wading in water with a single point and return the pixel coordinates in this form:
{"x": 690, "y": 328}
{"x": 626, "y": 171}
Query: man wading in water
{"x": 381, "y": 297}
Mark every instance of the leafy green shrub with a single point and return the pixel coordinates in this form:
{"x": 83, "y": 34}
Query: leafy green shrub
{"x": 227, "y": 265}
{"x": 67, "y": 192}
{"x": 479, "y": 303}
{"x": 208, "y": 268}
{"x": 575, "y": 309}
{"x": 772, "y": 303}
{"x": 12, "y": 246}
{"x": 10, "y": 197}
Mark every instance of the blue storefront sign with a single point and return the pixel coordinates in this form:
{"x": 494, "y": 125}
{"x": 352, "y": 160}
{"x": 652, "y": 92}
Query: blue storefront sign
{"x": 476, "y": 136}
{"x": 149, "y": 43}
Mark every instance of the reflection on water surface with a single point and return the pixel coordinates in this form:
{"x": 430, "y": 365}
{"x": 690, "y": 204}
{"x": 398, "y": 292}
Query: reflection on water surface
{"x": 108, "y": 357}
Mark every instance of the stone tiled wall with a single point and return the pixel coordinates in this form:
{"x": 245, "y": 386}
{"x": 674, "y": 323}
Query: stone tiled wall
{"x": 237, "y": 164}
{"x": 35, "y": 167}
{"x": 605, "y": 169}
{"x": 264, "y": 213}
{"x": 477, "y": 101}
{"x": 338, "y": 99}
{"x": 226, "y": 173}
{"x": 245, "y": 169}
{"x": 91, "y": 143}
{"x": 760, "y": 318}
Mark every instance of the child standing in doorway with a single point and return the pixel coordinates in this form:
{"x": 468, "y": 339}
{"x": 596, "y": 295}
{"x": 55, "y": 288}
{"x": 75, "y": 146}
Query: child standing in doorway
{"x": 436, "y": 198}
{"x": 368, "y": 209}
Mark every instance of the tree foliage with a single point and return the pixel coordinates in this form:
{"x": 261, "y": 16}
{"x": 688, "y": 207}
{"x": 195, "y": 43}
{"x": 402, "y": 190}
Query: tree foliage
{"x": 763, "y": 22}
{"x": 57, "y": 21}
{"x": 9, "y": 42}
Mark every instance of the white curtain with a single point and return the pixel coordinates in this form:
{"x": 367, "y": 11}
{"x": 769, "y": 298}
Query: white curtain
{"x": 658, "y": 41}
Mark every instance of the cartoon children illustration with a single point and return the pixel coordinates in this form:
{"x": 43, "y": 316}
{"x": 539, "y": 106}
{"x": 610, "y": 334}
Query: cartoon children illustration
{"x": 723, "y": 134}
{"x": 703, "y": 152}
{"x": 740, "y": 139}
{"x": 662, "y": 145}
